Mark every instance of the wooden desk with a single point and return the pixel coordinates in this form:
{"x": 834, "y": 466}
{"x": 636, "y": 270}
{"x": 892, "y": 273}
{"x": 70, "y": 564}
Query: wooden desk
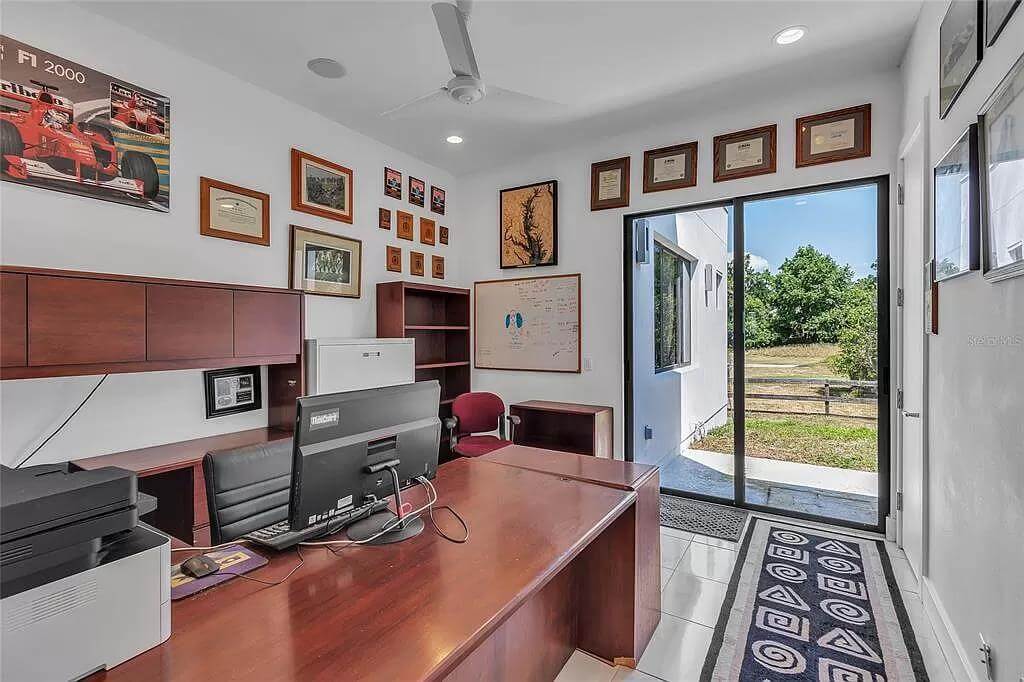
{"x": 510, "y": 604}
{"x": 638, "y": 616}
{"x": 568, "y": 427}
{"x": 173, "y": 474}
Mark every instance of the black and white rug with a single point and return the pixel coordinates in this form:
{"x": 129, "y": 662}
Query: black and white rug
{"x": 807, "y": 604}
{"x": 705, "y": 518}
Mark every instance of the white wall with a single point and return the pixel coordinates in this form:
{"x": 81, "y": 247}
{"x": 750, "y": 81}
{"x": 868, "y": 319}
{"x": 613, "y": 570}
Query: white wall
{"x": 675, "y": 402}
{"x": 223, "y": 128}
{"x": 976, "y": 374}
{"x": 591, "y": 242}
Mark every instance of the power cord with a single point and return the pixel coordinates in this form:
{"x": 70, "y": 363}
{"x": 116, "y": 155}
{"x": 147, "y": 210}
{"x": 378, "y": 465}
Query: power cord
{"x": 451, "y": 511}
{"x": 268, "y": 583}
{"x": 64, "y": 423}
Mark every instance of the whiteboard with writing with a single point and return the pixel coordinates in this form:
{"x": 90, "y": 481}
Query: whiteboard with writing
{"x": 528, "y": 324}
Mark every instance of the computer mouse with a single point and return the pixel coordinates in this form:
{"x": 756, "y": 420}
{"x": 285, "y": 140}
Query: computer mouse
{"x": 199, "y": 566}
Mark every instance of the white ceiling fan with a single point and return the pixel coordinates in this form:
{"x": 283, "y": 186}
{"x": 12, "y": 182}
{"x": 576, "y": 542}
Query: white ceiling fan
{"x": 466, "y": 87}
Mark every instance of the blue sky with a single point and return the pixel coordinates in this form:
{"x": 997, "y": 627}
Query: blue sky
{"x": 841, "y": 223}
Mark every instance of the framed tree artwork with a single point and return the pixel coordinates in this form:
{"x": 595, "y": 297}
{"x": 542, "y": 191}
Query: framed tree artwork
{"x": 745, "y": 153}
{"x": 609, "y": 184}
{"x": 838, "y": 135}
{"x": 321, "y": 187}
{"x": 405, "y": 227}
{"x": 427, "y": 231}
{"x": 960, "y": 50}
{"x": 417, "y": 192}
{"x": 416, "y": 263}
{"x": 528, "y": 225}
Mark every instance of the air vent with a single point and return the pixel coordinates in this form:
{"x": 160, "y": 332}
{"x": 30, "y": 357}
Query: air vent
{"x": 41, "y": 608}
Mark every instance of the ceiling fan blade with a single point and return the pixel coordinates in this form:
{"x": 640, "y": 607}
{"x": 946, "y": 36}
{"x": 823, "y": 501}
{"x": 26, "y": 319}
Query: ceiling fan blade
{"x": 455, "y": 36}
{"x": 390, "y": 113}
{"x": 505, "y": 103}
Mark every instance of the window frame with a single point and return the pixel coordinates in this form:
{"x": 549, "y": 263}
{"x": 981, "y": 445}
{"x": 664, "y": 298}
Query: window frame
{"x": 684, "y": 314}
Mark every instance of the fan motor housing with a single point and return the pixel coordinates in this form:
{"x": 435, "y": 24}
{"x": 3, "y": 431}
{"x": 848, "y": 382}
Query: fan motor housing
{"x": 466, "y": 89}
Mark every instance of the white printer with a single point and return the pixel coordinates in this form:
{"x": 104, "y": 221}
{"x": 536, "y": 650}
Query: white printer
{"x": 83, "y": 585}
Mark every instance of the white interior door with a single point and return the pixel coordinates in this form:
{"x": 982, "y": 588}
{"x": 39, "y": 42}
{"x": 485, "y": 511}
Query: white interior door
{"x": 910, "y": 337}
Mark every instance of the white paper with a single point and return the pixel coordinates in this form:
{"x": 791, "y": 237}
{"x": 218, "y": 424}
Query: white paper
{"x": 832, "y": 137}
{"x": 744, "y": 154}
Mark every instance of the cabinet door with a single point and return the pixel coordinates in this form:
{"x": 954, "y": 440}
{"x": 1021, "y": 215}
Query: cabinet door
{"x": 267, "y": 323}
{"x": 74, "y": 321}
{"x": 184, "y": 323}
{"x": 13, "y": 335}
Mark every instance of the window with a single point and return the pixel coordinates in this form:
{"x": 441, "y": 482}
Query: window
{"x": 672, "y": 278}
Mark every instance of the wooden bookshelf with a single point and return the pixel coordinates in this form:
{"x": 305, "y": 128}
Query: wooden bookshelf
{"x": 438, "y": 318}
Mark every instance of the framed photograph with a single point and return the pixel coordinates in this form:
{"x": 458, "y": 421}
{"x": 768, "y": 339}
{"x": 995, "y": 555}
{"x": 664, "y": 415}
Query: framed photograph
{"x": 321, "y": 187}
{"x": 416, "y": 263}
{"x": 528, "y": 225}
{"x": 442, "y": 235}
{"x": 392, "y": 183}
{"x": 833, "y": 136}
{"x": 672, "y": 167}
{"x": 232, "y": 212}
{"x": 124, "y": 129}
{"x": 230, "y": 391}
{"x": 405, "y": 225}
{"x": 427, "y": 229}
{"x": 997, "y": 13}
{"x": 745, "y": 153}
{"x": 957, "y": 209}
{"x": 609, "y": 184}
{"x": 417, "y": 191}
{"x": 437, "y": 200}
{"x": 394, "y": 259}
{"x": 960, "y": 50}
{"x": 325, "y": 263}
{"x": 1001, "y": 133}
{"x": 384, "y": 218}
{"x": 437, "y": 267}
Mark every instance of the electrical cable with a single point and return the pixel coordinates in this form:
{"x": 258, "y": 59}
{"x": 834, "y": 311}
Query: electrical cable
{"x": 268, "y": 583}
{"x": 206, "y": 549}
{"x": 451, "y": 511}
{"x": 64, "y": 423}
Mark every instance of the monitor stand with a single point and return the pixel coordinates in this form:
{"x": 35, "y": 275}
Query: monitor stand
{"x": 371, "y": 527}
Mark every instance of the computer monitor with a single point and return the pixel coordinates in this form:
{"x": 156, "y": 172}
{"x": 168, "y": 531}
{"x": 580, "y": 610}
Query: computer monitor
{"x": 343, "y": 441}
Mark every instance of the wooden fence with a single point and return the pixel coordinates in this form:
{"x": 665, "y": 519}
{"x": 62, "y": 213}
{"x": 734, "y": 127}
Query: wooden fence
{"x": 868, "y": 391}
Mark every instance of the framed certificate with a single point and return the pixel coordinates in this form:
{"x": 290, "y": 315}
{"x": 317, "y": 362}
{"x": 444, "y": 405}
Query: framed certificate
{"x": 833, "y": 136}
{"x": 670, "y": 167}
{"x": 746, "y": 153}
{"x": 233, "y": 212}
{"x": 609, "y": 184}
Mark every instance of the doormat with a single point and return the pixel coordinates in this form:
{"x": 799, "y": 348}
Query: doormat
{"x": 808, "y": 604}
{"x": 702, "y": 517}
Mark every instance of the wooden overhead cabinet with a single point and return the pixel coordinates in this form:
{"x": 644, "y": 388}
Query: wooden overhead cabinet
{"x": 13, "y": 326}
{"x": 188, "y": 322}
{"x": 266, "y": 323}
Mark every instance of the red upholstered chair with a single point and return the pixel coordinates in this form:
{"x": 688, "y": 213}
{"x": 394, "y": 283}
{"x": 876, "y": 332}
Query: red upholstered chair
{"x": 477, "y": 413}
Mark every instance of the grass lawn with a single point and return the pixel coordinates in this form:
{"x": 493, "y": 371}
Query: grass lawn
{"x": 825, "y": 441}
{"x": 799, "y": 360}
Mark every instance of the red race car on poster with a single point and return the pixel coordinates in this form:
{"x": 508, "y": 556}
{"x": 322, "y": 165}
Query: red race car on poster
{"x": 135, "y": 110}
{"x": 44, "y": 142}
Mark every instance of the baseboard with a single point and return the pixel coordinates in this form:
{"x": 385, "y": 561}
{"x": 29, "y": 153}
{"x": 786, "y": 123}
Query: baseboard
{"x": 952, "y": 648}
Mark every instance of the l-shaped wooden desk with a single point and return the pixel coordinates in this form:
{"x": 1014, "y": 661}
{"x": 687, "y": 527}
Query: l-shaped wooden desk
{"x": 554, "y": 562}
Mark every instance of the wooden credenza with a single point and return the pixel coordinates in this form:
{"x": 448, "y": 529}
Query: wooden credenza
{"x": 569, "y": 427}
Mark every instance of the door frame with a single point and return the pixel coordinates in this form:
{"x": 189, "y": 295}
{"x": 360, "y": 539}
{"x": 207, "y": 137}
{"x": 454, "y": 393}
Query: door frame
{"x": 884, "y": 349}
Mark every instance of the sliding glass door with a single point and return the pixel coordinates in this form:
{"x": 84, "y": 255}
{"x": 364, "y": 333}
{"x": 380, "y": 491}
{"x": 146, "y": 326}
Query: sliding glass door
{"x": 756, "y": 340}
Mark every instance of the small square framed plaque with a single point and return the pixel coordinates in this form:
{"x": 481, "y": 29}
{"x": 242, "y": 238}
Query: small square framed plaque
{"x": 394, "y": 262}
{"x": 230, "y": 391}
{"x": 416, "y": 263}
{"x": 427, "y": 231}
{"x": 609, "y": 184}
{"x": 405, "y": 227}
{"x": 384, "y": 219}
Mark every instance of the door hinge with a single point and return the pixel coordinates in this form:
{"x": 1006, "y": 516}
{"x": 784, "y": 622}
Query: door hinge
{"x": 899, "y": 195}
{"x": 899, "y": 297}
{"x": 899, "y": 399}
{"x": 899, "y": 501}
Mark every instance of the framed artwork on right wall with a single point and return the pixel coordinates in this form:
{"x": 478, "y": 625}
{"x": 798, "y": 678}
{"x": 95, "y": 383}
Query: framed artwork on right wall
{"x": 956, "y": 231}
{"x": 997, "y": 13}
{"x": 960, "y": 50}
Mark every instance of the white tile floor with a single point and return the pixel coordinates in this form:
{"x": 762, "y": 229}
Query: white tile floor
{"x": 694, "y": 573}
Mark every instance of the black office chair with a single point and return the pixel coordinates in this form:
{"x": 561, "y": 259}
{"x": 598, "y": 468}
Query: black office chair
{"x": 247, "y": 488}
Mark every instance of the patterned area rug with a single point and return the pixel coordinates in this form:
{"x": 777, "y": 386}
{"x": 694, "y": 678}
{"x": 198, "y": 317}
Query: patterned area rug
{"x": 702, "y": 517}
{"x": 806, "y": 604}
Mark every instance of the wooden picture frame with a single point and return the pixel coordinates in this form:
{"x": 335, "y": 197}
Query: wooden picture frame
{"x": 306, "y": 167}
{"x": 231, "y": 212}
{"x": 417, "y": 192}
{"x": 416, "y": 263}
{"x": 673, "y": 167}
{"x": 405, "y": 225}
{"x": 384, "y": 218}
{"x": 609, "y": 184}
{"x": 528, "y": 225}
{"x": 954, "y": 224}
{"x": 838, "y": 135}
{"x": 442, "y": 235}
{"x": 428, "y": 231}
{"x": 960, "y": 50}
{"x": 997, "y": 15}
{"x": 745, "y": 153}
{"x": 392, "y": 183}
{"x": 437, "y": 200}
{"x": 393, "y": 259}
{"x": 437, "y": 267}
{"x": 343, "y": 275}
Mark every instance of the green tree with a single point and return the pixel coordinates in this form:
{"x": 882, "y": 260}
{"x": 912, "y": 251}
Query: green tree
{"x": 858, "y": 331}
{"x": 809, "y": 292}
{"x": 758, "y": 306}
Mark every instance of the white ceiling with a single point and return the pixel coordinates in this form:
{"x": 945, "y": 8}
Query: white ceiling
{"x": 611, "y": 66}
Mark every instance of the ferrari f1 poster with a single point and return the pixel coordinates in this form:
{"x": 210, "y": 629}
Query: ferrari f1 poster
{"x": 67, "y": 127}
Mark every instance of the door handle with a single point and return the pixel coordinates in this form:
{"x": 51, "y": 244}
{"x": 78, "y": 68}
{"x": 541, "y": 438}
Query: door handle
{"x": 915, "y": 415}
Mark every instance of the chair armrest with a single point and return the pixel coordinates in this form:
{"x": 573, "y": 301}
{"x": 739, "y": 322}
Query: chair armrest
{"x": 451, "y": 423}
{"x": 514, "y": 420}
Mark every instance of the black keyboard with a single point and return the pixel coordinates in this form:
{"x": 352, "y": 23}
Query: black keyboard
{"x": 280, "y": 536}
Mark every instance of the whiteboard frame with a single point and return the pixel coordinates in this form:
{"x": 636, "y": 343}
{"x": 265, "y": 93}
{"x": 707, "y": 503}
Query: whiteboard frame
{"x": 579, "y": 324}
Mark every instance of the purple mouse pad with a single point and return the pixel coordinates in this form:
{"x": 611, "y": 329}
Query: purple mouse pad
{"x": 233, "y": 559}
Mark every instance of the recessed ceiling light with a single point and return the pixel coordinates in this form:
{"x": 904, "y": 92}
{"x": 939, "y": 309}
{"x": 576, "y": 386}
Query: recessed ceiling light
{"x": 800, "y": 202}
{"x": 454, "y": 139}
{"x": 326, "y": 68}
{"x": 788, "y": 36}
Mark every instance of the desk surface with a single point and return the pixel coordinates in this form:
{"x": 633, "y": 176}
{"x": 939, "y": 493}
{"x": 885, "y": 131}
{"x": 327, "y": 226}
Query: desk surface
{"x": 407, "y": 611}
{"x": 609, "y": 472}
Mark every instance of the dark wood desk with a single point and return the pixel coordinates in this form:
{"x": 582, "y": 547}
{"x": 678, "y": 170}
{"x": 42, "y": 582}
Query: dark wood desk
{"x": 542, "y": 574}
{"x": 639, "y": 615}
{"x": 568, "y": 427}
